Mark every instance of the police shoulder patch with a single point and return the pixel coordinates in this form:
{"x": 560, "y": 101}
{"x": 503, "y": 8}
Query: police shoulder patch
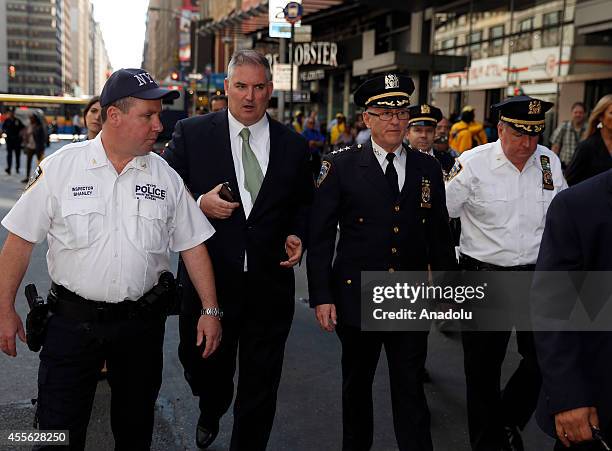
{"x": 38, "y": 173}
{"x": 456, "y": 169}
{"x": 325, "y": 167}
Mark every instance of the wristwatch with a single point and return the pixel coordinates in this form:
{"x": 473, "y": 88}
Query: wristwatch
{"x": 212, "y": 311}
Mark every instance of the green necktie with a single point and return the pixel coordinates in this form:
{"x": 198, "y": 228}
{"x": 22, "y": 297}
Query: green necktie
{"x": 253, "y": 177}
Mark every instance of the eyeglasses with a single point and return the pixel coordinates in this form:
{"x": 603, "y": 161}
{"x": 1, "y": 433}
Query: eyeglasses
{"x": 388, "y": 115}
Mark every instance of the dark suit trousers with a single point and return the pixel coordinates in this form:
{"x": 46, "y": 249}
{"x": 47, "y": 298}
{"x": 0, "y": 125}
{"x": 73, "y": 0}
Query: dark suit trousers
{"x": 490, "y": 409}
{"x": 257, "y": 337}
{"x": 406, "y": 353}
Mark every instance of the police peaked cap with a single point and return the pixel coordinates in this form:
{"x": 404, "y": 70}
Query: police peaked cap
{"x": 385, "y": 91}
{"x": 523, "y": 113}
{"x": 134, "y": 83}
{"x": 424, "y": 114}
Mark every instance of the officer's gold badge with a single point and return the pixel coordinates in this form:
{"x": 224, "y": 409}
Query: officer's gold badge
{"x": 425, "y": 193}
{"x": 456, "y": 169}
{"x": 37, "y": 175}
{"x": 325, "y": 166}
{"x": 547, "y": 177}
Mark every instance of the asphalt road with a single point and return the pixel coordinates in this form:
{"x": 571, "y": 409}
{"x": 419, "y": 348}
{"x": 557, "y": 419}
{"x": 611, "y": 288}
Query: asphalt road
{"x": 309, "y": 404}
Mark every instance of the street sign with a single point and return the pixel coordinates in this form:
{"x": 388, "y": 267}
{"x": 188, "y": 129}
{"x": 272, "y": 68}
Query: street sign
{"x": 194, "y": 76}
{"x": 279, "y": 28}
{"x": 303, "y": 34}
{"x": 281, "y": 75}
{"x": 293, "y": 12}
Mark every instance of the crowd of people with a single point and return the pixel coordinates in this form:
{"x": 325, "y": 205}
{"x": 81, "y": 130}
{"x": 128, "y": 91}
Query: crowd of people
{"x": 234, "y": 192}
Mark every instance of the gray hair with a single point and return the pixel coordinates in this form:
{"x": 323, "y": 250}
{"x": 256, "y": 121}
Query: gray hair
{"x": 250, "y": 57}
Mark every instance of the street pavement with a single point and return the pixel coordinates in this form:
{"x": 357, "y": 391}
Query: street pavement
{"x": 309, "y": 413}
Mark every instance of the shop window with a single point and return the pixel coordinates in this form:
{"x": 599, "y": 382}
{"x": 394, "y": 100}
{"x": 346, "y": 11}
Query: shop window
{"x": 550, "y": 33}
{"x": 496, "y": 41}
{"x": 525, "y": 38}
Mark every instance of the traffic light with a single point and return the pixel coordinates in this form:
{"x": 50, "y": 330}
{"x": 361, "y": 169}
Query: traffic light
{"x": 174, "y": 75}
{"x": 12, "y": 71}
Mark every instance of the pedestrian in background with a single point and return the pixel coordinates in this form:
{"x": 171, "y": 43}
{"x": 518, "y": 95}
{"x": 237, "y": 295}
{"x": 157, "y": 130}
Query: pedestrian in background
{"x": 316, "y": 143}
{"x": 501, "y": 192}
{"x": 111, "y": 211}
{"x": 12, "y": 127}
{"x": 337, "y": 129}
{"x": 568, "y": 134}
{"x": 218, "y": 103}
{"x": 390, "y": 206}
{"x": 298, "y": 122}
{"x": 92, "y": 118}
{"x": 34, "y": 143}
{"x": 467, "y": 133}
{"x": 593, "y": 155}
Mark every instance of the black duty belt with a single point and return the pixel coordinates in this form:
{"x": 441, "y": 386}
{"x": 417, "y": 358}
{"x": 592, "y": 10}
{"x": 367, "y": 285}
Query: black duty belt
{"x": 155, "y": 302}
{"x": 471, "y": 264}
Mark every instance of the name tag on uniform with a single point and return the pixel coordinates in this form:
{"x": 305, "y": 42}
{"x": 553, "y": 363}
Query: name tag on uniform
{"x": 83, "y": 190}
{"x": 150, "y": 191}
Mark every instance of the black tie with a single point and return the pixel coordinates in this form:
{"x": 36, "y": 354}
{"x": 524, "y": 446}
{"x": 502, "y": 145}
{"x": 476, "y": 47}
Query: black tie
{"x": 391, "y": 174}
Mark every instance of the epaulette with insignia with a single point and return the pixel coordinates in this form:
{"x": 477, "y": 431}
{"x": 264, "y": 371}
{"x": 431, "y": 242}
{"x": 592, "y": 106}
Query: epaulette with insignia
{"x": 325, "y": 167}
{"x": 38, "y": 173}
{"x": 337, "y": 151}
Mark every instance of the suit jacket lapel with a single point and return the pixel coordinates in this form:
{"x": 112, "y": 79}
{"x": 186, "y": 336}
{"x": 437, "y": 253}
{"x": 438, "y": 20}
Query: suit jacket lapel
{"x": 373, "y": 172}
{"x": 223, "y": 154}
{"x": 275, "y": 164}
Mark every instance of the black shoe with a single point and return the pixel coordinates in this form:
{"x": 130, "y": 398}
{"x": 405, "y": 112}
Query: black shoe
{"x": 514, "y": 442}
{"x": 206, "y": 433}
{"x": 8, "y": 171}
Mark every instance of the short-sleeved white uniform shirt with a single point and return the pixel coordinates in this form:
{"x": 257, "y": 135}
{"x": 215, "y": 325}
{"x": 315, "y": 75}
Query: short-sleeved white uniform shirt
{"x": 109, "y": 235}
{"x": 502, "y": 209}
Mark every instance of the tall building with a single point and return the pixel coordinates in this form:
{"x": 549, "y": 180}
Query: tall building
{"x": 161, "y": 50}
{"x": 81, "y": 20}
{"x": 64, "y": 10}
{"x": 34, "y": 46}
{"x": 4, "y": 63}
{"x": 101, "y": 63}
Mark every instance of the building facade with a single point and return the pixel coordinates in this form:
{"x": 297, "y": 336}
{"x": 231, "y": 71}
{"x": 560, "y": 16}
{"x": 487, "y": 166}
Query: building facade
{"x": 536, "y": 49}
{"x": 51, "y": 47}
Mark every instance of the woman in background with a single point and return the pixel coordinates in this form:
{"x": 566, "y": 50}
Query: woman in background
{"x": 593, "y": 155}
{"x": 91, "y": 117}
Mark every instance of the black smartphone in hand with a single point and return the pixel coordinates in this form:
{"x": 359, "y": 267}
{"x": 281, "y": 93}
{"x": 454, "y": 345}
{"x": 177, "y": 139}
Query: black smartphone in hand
{"x": 226, "y": 193}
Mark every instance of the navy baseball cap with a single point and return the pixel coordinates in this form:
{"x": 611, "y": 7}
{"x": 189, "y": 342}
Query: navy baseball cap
{"x": 134, "y": 83}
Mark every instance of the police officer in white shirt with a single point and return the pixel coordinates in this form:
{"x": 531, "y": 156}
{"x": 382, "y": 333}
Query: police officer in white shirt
{"x": 501, "y": 191}
{"x": 111, "y": 212}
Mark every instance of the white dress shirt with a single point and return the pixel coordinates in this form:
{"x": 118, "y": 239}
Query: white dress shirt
{"x": 260, "y": 144}
{"x": 109, "y": 235}
{"x": 502, "y": 209}
{"x": 399, "y": 162}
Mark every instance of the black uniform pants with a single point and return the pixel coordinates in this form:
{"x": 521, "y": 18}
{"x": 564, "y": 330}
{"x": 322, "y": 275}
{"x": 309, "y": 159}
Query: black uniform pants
{"x": 257, "y": 338}
{"x": 490, "y": 408}
{"x": 10, "y": 149}
{"x": 70, "y": 363}
{"x": 406, "y": 353}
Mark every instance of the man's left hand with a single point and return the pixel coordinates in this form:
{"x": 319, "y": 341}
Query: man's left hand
{"x": 209, "y": 327}
{"x": 293, "y": 247}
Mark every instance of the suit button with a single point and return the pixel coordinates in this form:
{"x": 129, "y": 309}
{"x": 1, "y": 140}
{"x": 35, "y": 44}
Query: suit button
{"x": 396, "y": 229}
{"x": 360, "y": 220}
{"x": 391, "y": 270}
{"x": 397, "y": 208}
{"x": 393, "y": 250}
{"x": 349, "y": 281}
{"x": 424, "y": 221}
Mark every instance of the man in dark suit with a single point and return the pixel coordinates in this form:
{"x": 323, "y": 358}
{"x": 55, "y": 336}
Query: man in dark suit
{"x": 390, "y": 205}
{"x": 259, "y": 238}
{"x": 576, "y": 365}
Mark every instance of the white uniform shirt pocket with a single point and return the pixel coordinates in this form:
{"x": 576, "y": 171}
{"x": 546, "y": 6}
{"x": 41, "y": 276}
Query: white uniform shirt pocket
{"x": 84, "y": 219}
{"x": 149, "y": 229}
